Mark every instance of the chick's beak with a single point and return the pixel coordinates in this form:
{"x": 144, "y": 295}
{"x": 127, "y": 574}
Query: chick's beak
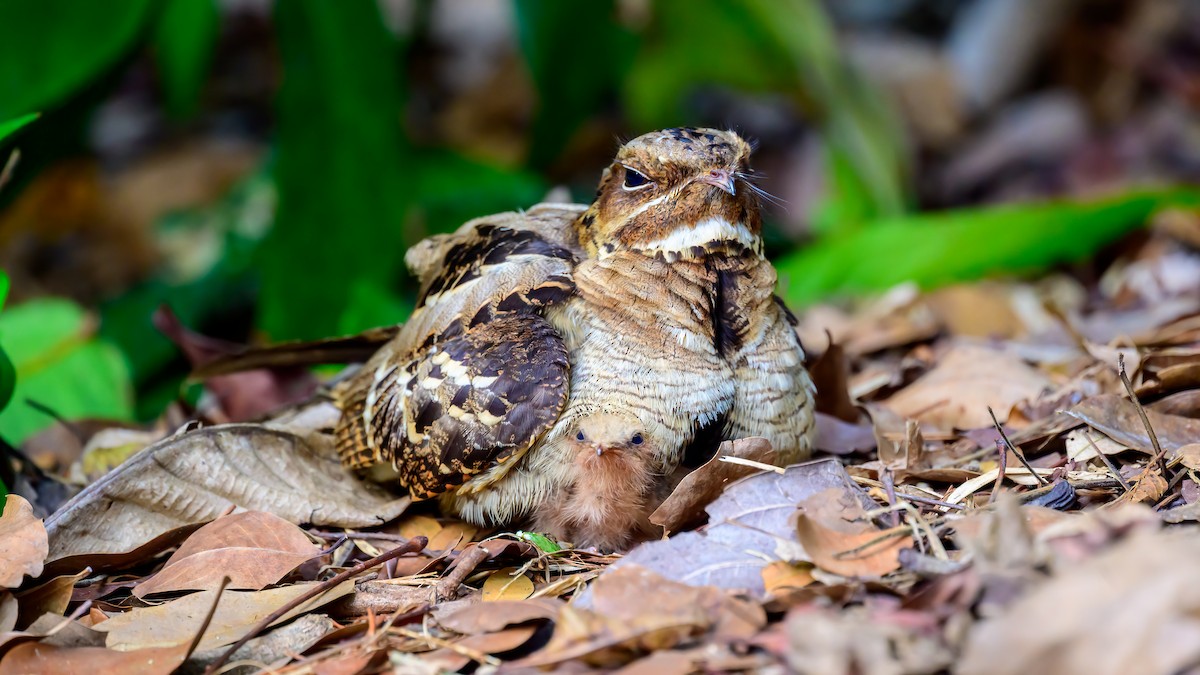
{"x": 720, "y": 178}
{"x": 599, "y": 450}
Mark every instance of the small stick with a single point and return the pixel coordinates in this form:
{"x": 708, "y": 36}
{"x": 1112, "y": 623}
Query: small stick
{"x": 1159, "y": 455}
{"x": 1000, "y": 471}
{"x": 414, "y": 545}
{"x": 1112, "y": 468}
{"x": 9, "y": 167}
{"x": 212, "y": 611}
{"x": 1015, "y": 451}
{"x": 889, "y": 488}
{"x": 472, "y": 654}
{"x": 468, "y": 560}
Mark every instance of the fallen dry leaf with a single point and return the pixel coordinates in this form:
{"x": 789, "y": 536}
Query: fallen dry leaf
{"x": 52, "y": 597}
{"x": 750, "y": 525}
{"x": 780, "y": 577}
{"x": 606, "y": 642}
{"x": 8, "y": 612}
{"x": 861, "y": 552}
{"x": 684, "y": 508}
{"x": 966, "y": 381}
{"x": 254, "y": 549}
{"x": 1117, "y": 417}
{"x": 507, "y": 584}
{"x": 470, "y": 618}
{"x": 46, "y": 659}
{"x": 23, "y": 542}
{"x": 194, "y": 477}
{"x": 1130, "y": 609}
{"x": 177, "y": 622}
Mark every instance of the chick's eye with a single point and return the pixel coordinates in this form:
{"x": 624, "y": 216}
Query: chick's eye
{"x": 579, "y": 436}
{"x": 634, "y": 179}
{"x": 637, "y": 439}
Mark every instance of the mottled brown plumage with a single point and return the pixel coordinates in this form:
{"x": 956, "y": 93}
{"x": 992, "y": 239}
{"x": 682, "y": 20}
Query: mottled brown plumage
{"x": 652, "y": 310}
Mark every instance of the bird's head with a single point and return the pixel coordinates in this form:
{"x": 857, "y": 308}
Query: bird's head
{"x": 602, "y": 434}
{"x": 679, "y": 192}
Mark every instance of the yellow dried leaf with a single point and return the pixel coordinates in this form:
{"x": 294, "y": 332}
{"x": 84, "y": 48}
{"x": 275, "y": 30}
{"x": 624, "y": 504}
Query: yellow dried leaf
{"x": 507, "y": 584}
{"x": 779, "y": 577}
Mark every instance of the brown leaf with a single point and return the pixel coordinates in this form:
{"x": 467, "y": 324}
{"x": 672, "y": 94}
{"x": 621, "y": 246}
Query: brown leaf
{"x": 507, "y": 584}
{"x": 8, "y": 612}
{"x": 177, "y": 622}
{"x": 606, "y": 642}
{"x": 780, "y": 577}
{"x": 52, "y": 597}
{"x": 839, "y": 438}
{"x": 1130, "y": 609}
{"x": 508, "y": 639}
{"x": 750, "y": 525}
{"x": 23, "y": 542}
{"x": 831, "y": 374}
{"x": 860, "y": 553}
{"x": 684, "y": 508}
{"x": 1117, "y": 417}
{"x": 254, "y": 549}
{"x": 196, "y": 476}
{"x": 50, "y": 660}
{"x": 472, "y": 618}
{"x": 969, "y": 378}
{"x": 244, "y": 395}
{"x": 1147, "y": 486}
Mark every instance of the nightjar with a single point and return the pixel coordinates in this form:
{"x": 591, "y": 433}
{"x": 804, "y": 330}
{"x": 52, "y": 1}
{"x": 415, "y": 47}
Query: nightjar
{"x": 563, "y": 361}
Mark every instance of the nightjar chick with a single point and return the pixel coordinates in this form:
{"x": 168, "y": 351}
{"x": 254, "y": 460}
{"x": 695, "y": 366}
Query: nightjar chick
{"x": 650, "y": 314}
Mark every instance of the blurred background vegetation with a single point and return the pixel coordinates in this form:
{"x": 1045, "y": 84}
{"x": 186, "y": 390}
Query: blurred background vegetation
{"x": 259, "y": 167}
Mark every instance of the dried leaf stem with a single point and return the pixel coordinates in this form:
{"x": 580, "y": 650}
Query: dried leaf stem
{"x": 1013, "y": 448}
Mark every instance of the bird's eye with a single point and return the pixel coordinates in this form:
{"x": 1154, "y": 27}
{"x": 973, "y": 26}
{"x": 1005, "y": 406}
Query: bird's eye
{"x": 579, "y": 436}
{"x": 635, "y": 179}
{"x": 637, "y": 439}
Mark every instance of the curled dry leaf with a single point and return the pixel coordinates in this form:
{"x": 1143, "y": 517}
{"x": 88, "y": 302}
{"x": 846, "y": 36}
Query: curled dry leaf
{"x": 254, "y": 549}
{"x": 751, "y": 525}
{"x": 52, "y": 597}
{"x": 194, "y": 477}
{"x": 23, "y": 542}
{"x": 177, "y": 622}
{"x": 966, "y": 381}
{"x": 684, "y": 508}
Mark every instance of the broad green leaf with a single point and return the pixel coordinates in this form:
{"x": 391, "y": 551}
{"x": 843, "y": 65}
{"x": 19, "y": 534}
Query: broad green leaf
{"x": 343, "y": 181}
{"x": 370, "y": 306}
{"x": 574, "y": 71}
{"x": 61, "y": 364}
{"x": 942, "y": 248}
{"x": 183, "y": 42}
{"x": 50, "y": 48}
{"x": 11, "y": 127}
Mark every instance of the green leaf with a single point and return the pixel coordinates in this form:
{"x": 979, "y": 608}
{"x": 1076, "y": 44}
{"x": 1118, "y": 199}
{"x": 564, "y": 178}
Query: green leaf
{"x": 343, "y": 181}
{"x": 545, "y": 544}
{"x": 370, "y": 307}
{"x": 942, "y": 248}
{"x": 183, "y": 43}
{"x": 574, "y": 71}
{"x": 50, "y": 48}
{"x": 61, "y": 364}
{"x": 12, "y": 126}
{"x": 451, "y": 189}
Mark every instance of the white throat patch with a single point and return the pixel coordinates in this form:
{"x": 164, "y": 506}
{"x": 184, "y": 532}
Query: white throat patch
{"x": 684, "y": 241}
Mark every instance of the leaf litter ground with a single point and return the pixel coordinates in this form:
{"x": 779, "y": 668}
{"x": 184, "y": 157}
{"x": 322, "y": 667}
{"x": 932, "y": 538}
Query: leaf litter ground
{"x": 1006, "y": 483}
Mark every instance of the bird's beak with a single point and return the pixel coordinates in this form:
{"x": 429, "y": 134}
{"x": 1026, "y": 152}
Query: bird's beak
{"x": 599, "y": 449}
{"x": 720, "y": 178}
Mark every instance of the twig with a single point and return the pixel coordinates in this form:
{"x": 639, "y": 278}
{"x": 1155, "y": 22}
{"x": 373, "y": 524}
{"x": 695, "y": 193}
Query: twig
{"x": 1015, "y": 451}
{"x": 207, "y": 618}
{"x": 1001, "y": 468}
{"x": 468, "y": 560}
{"x": 1159, "y": 455}
{"x": 414, "y": 545}
{"x": 742, "y": 461}
{"x": 889, "y": 489}
{"x": 1112, "y": 468}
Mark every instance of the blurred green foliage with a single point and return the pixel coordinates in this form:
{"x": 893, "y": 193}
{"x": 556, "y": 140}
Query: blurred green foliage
{"x": 183, "y": 41}
{"x": 51, "y": 48}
